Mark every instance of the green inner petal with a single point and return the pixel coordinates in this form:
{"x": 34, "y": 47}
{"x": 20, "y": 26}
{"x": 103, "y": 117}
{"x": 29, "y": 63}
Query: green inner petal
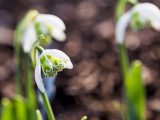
{"x": 51, "y": 65}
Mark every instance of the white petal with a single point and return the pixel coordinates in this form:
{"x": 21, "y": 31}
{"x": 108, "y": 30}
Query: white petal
{"x": 61, "y": 55}
{"x": 121, "y": 27}
{"x": 28, "y": 39}
{"x": 58, "y": 35}
{"x": 54, "y": 21}
{"x": 38, "y": 77}
{"x": 148, "y": 11}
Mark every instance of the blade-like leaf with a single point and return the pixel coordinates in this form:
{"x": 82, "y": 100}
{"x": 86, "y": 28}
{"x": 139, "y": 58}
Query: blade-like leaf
{"x": 38, "y": 115}
{"x": 135, "y": 93}
{"x": 20, "y": 108}
{"x": 7, "y": 110}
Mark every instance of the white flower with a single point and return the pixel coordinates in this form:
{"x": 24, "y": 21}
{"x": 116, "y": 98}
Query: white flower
{"x": 147, "y": 13}
{"x": 48, "y": 24}
{"x": 29, "y": 38}
{"x": 54, "y": 23}
{"x": 50, "y": 62}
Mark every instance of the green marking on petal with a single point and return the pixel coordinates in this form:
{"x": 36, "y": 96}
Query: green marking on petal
{"x": 136, "y": 22}
{"x": 51, "y": 65}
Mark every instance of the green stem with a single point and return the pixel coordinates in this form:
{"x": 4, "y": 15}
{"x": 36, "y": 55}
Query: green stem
{"x": 30, "y": 93}
{"x": 120, "y": 8}
{"x": 28, "y": 76}
{"x": 47, "y": 106}
{"x": 123, "y": 57}
{"x": 39, "y": 48}
{"x": 18, "y": 69}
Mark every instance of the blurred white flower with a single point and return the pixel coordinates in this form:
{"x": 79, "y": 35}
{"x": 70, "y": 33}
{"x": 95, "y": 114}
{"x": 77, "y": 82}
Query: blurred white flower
{"x": 54, "y": 24}
{"x": 147, "y": 13}
{"x": 28, "y": 39}
{"x": 45, "y": 24}
{"x": 50, "y": 62}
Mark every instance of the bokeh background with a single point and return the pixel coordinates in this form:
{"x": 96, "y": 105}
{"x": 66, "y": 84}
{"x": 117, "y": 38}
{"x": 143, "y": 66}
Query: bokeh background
{"x": 94, "y": 86}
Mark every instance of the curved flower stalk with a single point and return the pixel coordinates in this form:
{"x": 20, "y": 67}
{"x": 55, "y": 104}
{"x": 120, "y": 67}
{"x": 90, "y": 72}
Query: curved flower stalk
{"x": 141, "y": 15}
{"x": 121, "y": 5}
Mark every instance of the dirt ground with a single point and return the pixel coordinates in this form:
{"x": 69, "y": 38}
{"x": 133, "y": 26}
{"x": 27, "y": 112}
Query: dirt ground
{"x": 94, "y": 86}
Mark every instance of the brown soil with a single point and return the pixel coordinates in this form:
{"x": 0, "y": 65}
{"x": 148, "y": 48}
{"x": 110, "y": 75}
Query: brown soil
{"x": 94, "y": 86}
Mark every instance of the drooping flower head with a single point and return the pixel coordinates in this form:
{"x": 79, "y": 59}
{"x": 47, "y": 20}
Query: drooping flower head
{"x": 49, "y": 25}
{"x": 141, "y": 15}
{"x": 49, "y": 63}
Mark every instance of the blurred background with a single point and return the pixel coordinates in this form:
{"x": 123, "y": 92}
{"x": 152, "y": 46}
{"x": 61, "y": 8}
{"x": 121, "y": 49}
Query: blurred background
{"x": 94, "y": 86}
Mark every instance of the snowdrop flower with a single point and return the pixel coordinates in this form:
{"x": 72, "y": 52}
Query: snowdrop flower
{"x": 46, "y": 24}
{"x": 50, "y": 62}
{"x": 140, "y": 15}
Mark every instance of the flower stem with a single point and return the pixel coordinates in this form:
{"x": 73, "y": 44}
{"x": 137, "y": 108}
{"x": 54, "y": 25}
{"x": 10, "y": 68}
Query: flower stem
{"x": 30, "y": 93}
{"x": 18, "y": 69}
{"x": 47, "y": 106}
{"x": 28, "y": 76}
{"x": 123, "y": 57}
{"x": 39, "y": 48}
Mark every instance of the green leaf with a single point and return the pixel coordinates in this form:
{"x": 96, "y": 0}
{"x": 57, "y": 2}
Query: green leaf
{"x": 31, "y": 105}
{"x": 84, "y": 118}
{"x": 20, "y": 108}
{"x": 30, "y": 92}
{"x": 38, "y": 115}
{"x": 7, "y": 110}
{"x": 135, "y": 93}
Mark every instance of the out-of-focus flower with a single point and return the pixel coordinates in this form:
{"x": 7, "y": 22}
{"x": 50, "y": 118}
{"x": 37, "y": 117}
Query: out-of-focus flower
{"x": 50, "y": 62}
{"x": 141, "y": 15}
{"x": 46, "y": 24}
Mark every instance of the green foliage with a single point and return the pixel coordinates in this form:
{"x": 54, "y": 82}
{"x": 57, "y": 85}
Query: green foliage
{"x": 7, "y": 110}
{"x": 19, "y": 108}
{"x": 121, "y": 6}
{"x": 123, "y": 57}
{"x": 38, "y": 115}
{"x": 84, "y": 118}
{"x": 135, "y": 93}
{"x": 16, "y": 109}
{"x": 30, "y": 92}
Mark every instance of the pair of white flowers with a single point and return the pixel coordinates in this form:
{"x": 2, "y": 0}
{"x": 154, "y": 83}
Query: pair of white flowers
{"x": 146, "y": 13}
{"x": 48, "y": 61}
